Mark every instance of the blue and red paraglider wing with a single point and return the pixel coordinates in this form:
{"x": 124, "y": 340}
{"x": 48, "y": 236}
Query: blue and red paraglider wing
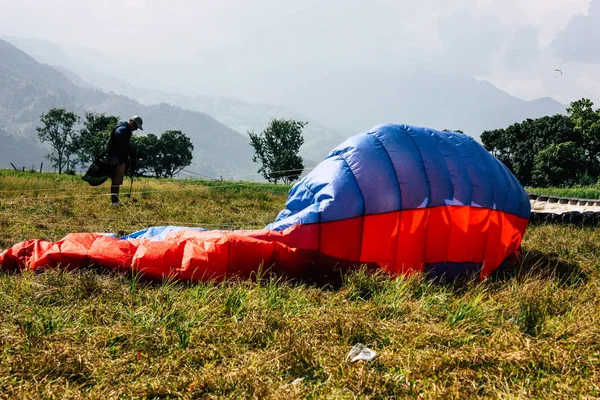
{"x": 405, "y": 199}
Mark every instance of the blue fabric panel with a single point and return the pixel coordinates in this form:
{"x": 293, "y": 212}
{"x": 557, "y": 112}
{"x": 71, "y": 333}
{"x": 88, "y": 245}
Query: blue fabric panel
{"x": 329, "y": 193}
{"x": 407, "y": 163}
{"x": 511, "y": 203}
{"x": 342, "y": 198}
{"x": 522, "y": 205}
{"x": 457, "y": 170}
{"x": 395, "y": 167}
{"x": 482, "y": 190}
{"x": 370, "y": 164}
{"x": 500, "y": 186}
{"x": 435, "y": 167}
{"x": 310, "y": 215}
{"x": 157, "y": 232}
{"x": 301, "y": 196}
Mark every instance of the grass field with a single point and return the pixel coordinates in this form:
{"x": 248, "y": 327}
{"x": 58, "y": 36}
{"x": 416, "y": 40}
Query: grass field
{"x": 584, "y": 192}
{"x": 532, "y": 333}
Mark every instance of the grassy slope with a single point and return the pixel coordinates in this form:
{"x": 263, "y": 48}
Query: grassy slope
{"x": 94, "y": 334}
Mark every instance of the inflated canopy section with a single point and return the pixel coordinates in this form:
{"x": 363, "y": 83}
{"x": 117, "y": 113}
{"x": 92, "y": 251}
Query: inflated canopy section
{"x": 401, "y": 198}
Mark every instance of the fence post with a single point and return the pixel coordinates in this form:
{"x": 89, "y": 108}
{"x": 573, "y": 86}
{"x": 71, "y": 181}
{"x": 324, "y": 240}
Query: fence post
{"x": 41, "y": 166}
{"x": 15, "y": 168}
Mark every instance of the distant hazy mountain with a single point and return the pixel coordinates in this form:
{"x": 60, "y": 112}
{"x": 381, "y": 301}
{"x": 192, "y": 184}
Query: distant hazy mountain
{"x": 89, "y": 65}
{"x": 348, "y": 102}
{"x": 354, "y": 101}
{"x": 343, "y": 102}
{"x": 243, "y": 116}
{"x": 29, "y": 89}
{"x": 240, "y": 115}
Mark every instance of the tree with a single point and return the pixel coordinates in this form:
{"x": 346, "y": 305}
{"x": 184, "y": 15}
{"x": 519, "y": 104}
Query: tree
{"x": 586, "y": 122}
{"x": 149, "y": 146}
{"x": 58, "y": 130}
{"x": 517, "y": 145}
{"x": 93, "y": 138}
{"x": 276, "y": 148}
{"x": 166, "y": 155}
{"x": 495, "y": 142}
{"x": 175, "y": 150}
{"x": 561, "y": 164}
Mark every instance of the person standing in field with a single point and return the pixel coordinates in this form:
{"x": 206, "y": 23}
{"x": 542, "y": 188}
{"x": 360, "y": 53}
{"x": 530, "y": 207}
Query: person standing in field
{"x": 119, "y": 151}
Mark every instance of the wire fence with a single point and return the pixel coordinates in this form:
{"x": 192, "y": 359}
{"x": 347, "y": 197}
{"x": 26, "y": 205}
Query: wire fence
{"x": 195, "y": 176}
{"x": 18, "y": 222}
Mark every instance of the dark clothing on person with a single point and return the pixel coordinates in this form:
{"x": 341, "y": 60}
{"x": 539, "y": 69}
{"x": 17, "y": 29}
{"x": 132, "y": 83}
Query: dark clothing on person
{"x": 119, "y": 150}
{"x": 119, "y": 144}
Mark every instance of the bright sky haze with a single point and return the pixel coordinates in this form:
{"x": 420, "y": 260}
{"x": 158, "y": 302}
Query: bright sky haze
{"x": 218, "y": 46}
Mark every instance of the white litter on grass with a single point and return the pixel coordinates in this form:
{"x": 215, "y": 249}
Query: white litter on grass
{"x": 360, "y": 353}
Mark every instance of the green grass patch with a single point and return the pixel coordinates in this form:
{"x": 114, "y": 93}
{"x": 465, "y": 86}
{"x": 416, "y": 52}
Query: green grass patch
{"x": 582, "y": 192}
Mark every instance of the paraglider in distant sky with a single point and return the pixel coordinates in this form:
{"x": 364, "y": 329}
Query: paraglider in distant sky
{"x": 400, "y": 198}
{"x": 559, "y": 71}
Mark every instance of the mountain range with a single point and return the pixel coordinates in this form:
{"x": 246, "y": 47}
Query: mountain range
{"x": 337, "y": 104}
{"x": 29, "y": 88}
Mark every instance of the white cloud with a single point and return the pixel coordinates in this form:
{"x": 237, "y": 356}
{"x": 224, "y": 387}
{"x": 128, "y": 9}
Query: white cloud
{"x": 580, "y": 41}
{"x": 549, "y": 17}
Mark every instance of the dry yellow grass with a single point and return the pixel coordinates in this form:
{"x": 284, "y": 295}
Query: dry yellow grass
{"x": 530, "y": 333}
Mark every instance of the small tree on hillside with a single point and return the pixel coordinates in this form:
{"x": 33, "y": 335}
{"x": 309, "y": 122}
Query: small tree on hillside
{"x": 276, "y": 148}
{"x": 165, "y": 156}
{"x": 149, "y": 146}
{"x": 93, "y": 138}
{"x": 58, "y": 130}
{"x": 175, "y": 152}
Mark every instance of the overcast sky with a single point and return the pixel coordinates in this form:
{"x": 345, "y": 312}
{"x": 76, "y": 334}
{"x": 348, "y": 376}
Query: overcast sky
{"x": 516, "y": 44}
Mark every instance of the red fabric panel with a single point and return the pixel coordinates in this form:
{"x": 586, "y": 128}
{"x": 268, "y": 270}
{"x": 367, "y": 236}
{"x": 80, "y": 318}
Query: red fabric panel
{"x": 112, "y": 253}
{"x": 247, "y": 255}
{"x": 24, "y": 253}
{"x": 400, "y": 242}
{"x": 205, "y": 259}
{"x": 476, "y": 239}
{"x": 71, "y": 252}
{"x": 301, "y": 236}
{"x": 508, "y": 240}
{"x": 290, "y": 261}
{"x": 410, "y": 257}
{"x": 158, "y": 259}
{"x": 493, "y": 246}
{"x": 460, "y": 218}
{"x": 380, "y": 238}
{"x": 438, "y": 235}
{"x": 342, "y": 239}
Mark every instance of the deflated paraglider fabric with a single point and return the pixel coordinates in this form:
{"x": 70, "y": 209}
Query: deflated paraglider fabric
{"x": 402, "y": 198}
